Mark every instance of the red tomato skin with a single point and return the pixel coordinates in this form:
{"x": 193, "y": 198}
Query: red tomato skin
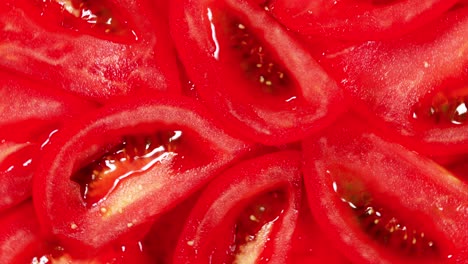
{"x": 353, "y": 20}
{"x": 206, "y": 235}
{"x": 269, "y": 119}
{"x": 414, "y": 187}
{"x": 387, "y": 79}
{"x": 89, "y": 63}
{"x": 62, "y": 211}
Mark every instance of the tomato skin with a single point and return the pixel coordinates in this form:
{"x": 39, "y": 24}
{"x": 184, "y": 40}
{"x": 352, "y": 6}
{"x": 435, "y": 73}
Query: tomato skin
{"x": 94, "y": 65}
{"x": 357, "y": 20}
{"x": 311, "y": 101}
{"x": 415, "y": 188}
{"x": 209, "y": 228}
{"x": 387, "y": 80}
{"x": 61, "y": 208}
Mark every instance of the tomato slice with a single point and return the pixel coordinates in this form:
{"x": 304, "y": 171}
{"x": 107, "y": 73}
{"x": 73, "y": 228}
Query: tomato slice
{"x": 19, "y": 233}
{"x": 382, "y": 202}
{"x": 97, "y": 49}
{"x": 251, "y": 72}
{"x": 309, "y": 244}
{"x": 246, "y": 215}
{"x": 416, "y": 85}
{"x": 357, "y": 20}
{"x": 98, "y": 181}
{"x": 29, "y": 116}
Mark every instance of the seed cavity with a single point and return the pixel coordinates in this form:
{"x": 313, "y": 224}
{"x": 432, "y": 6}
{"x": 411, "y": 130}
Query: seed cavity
{"x": 381, "y": 224}
{"x": 82, "y": 15}
{"x": 257, "y": 62}
{"x": 129, "y": 158}
{"x": 255, "y": 223}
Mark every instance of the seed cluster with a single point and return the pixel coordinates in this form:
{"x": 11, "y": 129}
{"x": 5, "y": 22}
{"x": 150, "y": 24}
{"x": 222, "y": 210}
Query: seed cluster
{"x": 392, "y": 233}
{"x": 133, "y": 155}
{"x": 258, "y": 62}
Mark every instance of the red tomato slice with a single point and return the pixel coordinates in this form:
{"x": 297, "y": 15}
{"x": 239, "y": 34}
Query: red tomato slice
{"x": 309, "y": 244}
{"x": 246, "y": 215}
{"x": 251, "y": 72}
{"x": 98, "y": 49}
{"x": 162, "y": 239}
{"x": 381, "y": 202}
{"x": 29, "y": 116}
{"x": 417, "y": 85}
{"x": 107, "y": 176}
{"x": 18, "y": 233}
{"x": 357, "y": 20}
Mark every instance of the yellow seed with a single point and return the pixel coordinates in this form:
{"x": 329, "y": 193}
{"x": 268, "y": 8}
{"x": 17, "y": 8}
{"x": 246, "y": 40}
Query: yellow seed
{"x": 73, "y": 226}
{"x": 241, "y": 26}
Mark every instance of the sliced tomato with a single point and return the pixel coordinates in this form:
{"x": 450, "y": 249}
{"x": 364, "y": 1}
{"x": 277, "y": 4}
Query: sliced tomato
{"x": 416, "y": 85}
{"x": 381, "y": 202}
{"x": 98, "y": 49}
{"x": 255, "y": 76}
{"x": 357, "y": 20}
{"x": 29, "y": 116}
{"x": 309, "y": 244}
{"x": 162, "y": 239}
{"x": 107, "y": 176}
{"x": 246, "y": 215}
{"x": 19, "y": 233}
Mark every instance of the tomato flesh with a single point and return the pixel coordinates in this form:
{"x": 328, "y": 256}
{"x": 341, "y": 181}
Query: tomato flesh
{"x": 240, "y": 61}
{"x": 357, "y": 20}
{"x": 390, "y": 203}
{"x": 127, "y": 208}
{"x": 422, "y": 98}
{"x": 253, "y": 223}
